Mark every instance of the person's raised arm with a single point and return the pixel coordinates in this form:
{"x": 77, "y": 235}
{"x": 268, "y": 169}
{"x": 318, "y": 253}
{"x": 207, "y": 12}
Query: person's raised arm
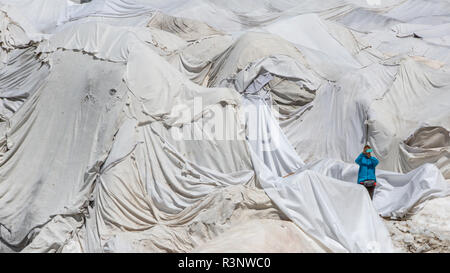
{"x": 359, "y": 159}
{"x": 374, "y": 161}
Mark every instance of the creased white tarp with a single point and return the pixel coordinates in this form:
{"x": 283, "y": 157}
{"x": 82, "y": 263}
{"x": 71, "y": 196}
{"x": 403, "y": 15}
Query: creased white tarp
{"x": 397, "y": 195}
{"x": 315, "y": 202}
{"x": 124, "y": 123}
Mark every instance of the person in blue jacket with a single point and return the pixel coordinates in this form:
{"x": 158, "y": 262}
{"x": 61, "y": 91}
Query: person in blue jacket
{"x": 366, "y": 173}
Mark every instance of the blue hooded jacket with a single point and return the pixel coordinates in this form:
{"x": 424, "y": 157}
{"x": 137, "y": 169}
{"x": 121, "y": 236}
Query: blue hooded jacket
{"x": 366, "y": 168}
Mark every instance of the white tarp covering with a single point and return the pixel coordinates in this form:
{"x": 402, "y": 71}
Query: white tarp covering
{"x": 204, "y": 125}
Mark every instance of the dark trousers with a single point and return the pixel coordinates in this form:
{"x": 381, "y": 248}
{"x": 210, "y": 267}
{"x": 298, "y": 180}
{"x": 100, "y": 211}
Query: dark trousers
{"x": 369, "y": 189}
